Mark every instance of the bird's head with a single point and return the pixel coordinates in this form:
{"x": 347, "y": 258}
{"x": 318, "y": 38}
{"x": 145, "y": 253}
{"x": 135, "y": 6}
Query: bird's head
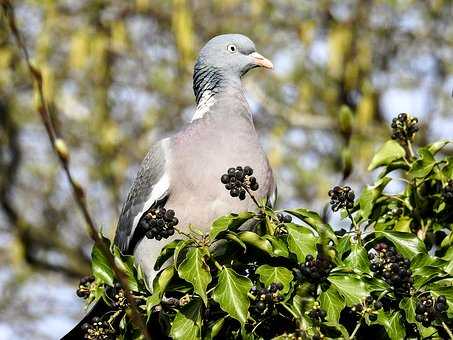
{"x": 231, "y": 54}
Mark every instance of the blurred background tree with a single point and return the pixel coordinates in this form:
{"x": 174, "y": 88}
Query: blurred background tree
{"x": 118, "y": 76}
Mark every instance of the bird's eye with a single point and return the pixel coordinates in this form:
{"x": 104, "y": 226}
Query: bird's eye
{"x": 232, "y": 48}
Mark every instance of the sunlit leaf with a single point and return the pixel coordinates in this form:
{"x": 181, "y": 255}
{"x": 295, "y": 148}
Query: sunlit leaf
{"x": 389, "y": 152}
{"x": 187, "y": 322}
{"x": 230, "y": 221}
{"x": 195, "y": 270}
{"x": 332, "y": 303}
{"x": 301, "y": 241}
{"x": 351, "y": 288}
{"x": 407, "y": 244}
{"x": 231, "y": 294}
{"x": 269, "y": 274}
{"x": 358, "y": 259}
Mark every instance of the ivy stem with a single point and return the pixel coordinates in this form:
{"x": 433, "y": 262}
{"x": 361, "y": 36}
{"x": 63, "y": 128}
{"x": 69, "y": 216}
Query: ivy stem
{"x": 217, "y": 264}
{"x": 290, "y": 310}
{"x": 450, "y": 334}
{"x": 356, "y": 227}
{"x": 251, "y": 296}
{"x": 252, "y": 197}
{"x": 356, "y": 329}
{"x": 409, "y": 149}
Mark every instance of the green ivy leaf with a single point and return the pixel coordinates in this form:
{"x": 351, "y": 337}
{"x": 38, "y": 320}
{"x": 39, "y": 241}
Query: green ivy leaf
{"x": 393, "y": 324}
{"x": 344, "y": 244}
{"x": 187, "y": 322}
{"x": 231, "y": 294}
{"x": 369, "y": 196}
{"x": 179, "y": 247}
{"x": 407, "y": 244}
{"x": 100, "y": 267}
{"x": 301, "y": 241}
{"x": 230, "y": 221}
{"x": 423, "y": 166}
{"x": 166, "y": 253}
{"x": 332, "y": 303}
{"x": 351, "y": 288}
{"x": 269, "y": 274}
{"x": 403, "y": 224}
{"x": 408, "y": 304}
{"x": 126, "y": 265}
{"x": 279, "y": 246}
{"x": 358, "y": 259}
{"x": 389, "y": 152}
{"x": 195, "y": 270}
{"x": 160, "y": 283}
{"x": 315, "y": 221}
{"x": 256, "y": 241}
{"x": 214, "y": 329}
{"x": 437, "y": 146}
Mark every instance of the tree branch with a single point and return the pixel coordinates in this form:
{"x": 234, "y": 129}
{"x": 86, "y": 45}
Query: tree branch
{"x": 60, "y": 149}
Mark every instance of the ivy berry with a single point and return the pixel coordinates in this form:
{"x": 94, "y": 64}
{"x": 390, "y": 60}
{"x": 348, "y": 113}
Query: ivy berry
{"x": 239, "y": 180}
{"x": 341, "y": 198}
{"x": 84, "y": 289}
{"x": 404, "y": 128}
{"x": 159, "y": 223}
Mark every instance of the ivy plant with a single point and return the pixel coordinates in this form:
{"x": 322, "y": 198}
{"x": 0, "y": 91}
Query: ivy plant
{"x": 290, "y": 275}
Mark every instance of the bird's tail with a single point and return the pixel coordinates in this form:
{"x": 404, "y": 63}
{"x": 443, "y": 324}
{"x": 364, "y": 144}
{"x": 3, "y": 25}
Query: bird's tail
{"x": 97, "y": 310}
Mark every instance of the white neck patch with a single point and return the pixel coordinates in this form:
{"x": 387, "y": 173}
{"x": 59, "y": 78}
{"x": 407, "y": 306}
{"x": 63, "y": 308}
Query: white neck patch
{"x": 206, "y": 101}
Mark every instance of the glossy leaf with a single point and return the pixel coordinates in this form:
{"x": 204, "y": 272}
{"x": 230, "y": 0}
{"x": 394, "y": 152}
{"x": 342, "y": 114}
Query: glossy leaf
{"x": 423, "y": 166}
{"x": 407, "y": 244}
{"x": 101, "y": 268}
{"x": 393, "y": 324}
{"x": 230, "y": 221}
{"x": 269, "y": 274}
{"x": 358, "y": 259}
{"x": 301, "y": 241}
{"x": 187, "y": 322}
{"x": 408, "y": 304}
{"x": 195, "y": 270}
{"x": 231, "y": 294}
{"x": 256, "y": 241}
{"x": 166, "y": 253}
{"x": 350, "y": 287}
{"x": 389, "y": 152}
{"x": 332, "y": 303}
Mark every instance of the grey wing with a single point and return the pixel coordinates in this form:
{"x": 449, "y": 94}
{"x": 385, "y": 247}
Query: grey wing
{"x": 150, "y": 186}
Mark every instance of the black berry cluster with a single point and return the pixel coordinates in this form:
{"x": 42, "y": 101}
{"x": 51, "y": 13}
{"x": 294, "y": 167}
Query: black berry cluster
{"x": 84, "y": 288}
{"x": 282, "y": 219}
{"x": 317, "y": 314}
{"x": 341, "y": 197}
{"x": 238, "y": 180}
{"x": 159, "y": 223}
{"x": 370, "y": 306}
{"x": 265, "y": 299}
{"x": 316, "y": 270}
{"x": 98, "y": 330}
{"x": 119, "y": 297}
{"x": 447, "y": 191}
{"x": 428, "y": 309}
{"x": 388, "y": 264}
{"x": 404, "y": 128}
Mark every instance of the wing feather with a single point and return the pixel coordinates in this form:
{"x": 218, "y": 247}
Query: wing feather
{"x": 150, "y": 186}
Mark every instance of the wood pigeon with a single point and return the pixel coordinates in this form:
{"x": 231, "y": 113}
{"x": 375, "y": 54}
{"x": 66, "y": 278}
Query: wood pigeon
{"x": 182, "y": 172}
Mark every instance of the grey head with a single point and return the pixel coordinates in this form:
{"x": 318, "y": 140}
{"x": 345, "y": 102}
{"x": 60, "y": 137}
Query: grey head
{"x": 224, "y": 60}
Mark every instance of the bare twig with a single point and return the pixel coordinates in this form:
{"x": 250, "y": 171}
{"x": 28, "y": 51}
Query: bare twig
{"x": 60, "y": 149}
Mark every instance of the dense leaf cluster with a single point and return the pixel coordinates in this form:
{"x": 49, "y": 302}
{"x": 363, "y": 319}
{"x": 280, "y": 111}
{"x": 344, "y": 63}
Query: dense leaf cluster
{"x": 389, "y": 276}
